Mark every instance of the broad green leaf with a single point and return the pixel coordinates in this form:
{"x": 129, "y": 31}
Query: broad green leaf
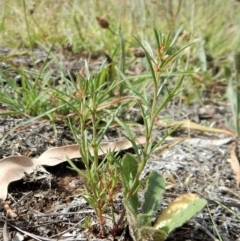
{"x": 129, "y": 169}
{"x": 129, "y": 172}
{"x": 139, "y": 232}
{"x": 134, "y": 202}
{"x": 131, "y": 214}
{"x": 150, "y": 233}
{"x": 179, "y": 211}
{"x": 153, "y": 193}
{"x": 145, "y": 219}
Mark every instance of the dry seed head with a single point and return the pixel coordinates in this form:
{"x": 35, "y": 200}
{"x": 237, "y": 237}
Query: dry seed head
{"x": 157, "y": 69}
{"x": 103, "y": 23}
{"x": 32, "y": 9}
{"x": 109, "y": 59}
{"x": 162, "y": 47}
{"x": 138, "y": 53}
{"x": 160, "y": 50}
{"x": 68, "y": 46}
{"x": 185, "y": 35}
{"x": 79, "y": 95}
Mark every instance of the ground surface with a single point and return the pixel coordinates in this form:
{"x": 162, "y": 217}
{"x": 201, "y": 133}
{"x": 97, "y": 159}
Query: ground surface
{"x": 49, "y": 203}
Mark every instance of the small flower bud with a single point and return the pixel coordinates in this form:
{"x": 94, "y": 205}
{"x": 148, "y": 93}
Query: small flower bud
{"x": 157, "y": 69}
{"x": 165, "y": 57}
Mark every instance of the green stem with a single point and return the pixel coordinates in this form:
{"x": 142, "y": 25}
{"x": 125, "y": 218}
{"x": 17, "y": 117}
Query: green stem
{"x": 237, "y": 66}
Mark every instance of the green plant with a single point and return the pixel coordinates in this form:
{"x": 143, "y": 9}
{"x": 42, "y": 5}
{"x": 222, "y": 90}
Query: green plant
{"x": 101, "y": 174}
{"x": 178, "y": 212}
{"x": 34, "y": 94}
{"x": 94, "y": 92}
{"x": 27, "y": 97}
{"x": 85, "y": 103}
{"x": 87, "y": 223}
{"x": 132, "y": 166}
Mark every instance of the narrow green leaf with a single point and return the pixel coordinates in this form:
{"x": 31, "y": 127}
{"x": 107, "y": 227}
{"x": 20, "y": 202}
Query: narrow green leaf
{"x": 173, "y": 56}
{"x": 231, "y": 94}
{"x": 228, "y": 73}
{"x": 170, "y": 95}
{"x": 178, "y": 33}
{"x": 129, "y": 135}
{"x": 75, "y": 168}
{"x": 237, "y": 91}
{"x": 237, "y": 53}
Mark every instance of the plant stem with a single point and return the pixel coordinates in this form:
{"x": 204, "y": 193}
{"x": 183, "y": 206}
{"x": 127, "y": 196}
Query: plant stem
{"x": 237, "y": 66}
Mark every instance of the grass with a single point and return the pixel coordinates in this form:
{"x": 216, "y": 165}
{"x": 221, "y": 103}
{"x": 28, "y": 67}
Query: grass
{"x": 177, "y": 69}
{"x": 213, "y": 25}
{"x": 75, "y": 22}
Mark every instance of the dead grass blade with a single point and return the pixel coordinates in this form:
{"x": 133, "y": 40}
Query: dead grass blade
{"x": 191, "y": 125}
{"x": 235, "y": 164}
{"x": 5, "y": 232}
{"x": 115, "y": 101}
